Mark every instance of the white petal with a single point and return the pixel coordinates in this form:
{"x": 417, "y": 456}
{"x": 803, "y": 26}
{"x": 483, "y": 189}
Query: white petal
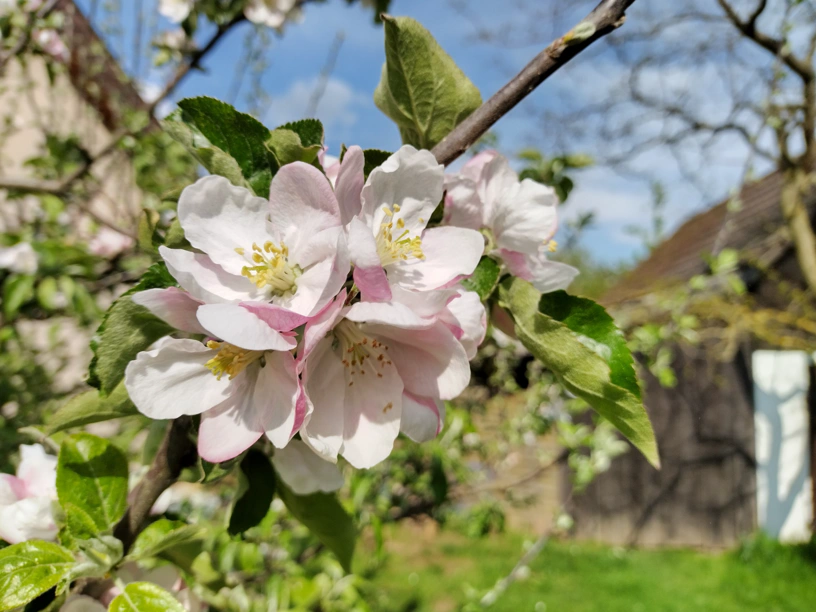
{"x": 475, "y": 167}
{"x": 38, "y": 470}
{"x": 305, "y": 472}
{"x": 172, "y": 305}
{"x": 237, "y": 325}
{"x": 422, "y": 417}
{"x": 431, "y": 362}
{"x": 387, "y": 313}
{"x": 172, "y": 380}
{"x": 301, "y": 204}
{"x": 325, "y": 382}
{"x": 545, "y": 275}
{"x": 497, "y": 178}
{"x": 204, "y": 280}
{"x": 525, "y": 217}
{"x": 276, "y": 393}
{"x": 410, "y": 178}
{"x": 219, "y": 217}
{"x": 463, "y": 204}
{"x": 12, "y": 489}
{"x": 350, "y": 184}
{"x": 468, "y": 314}
{"x": 450, "y": 253}
{"x": 27, "y": 519}
{"x": 230, "y": 428}
{"x": 372, "y": 412}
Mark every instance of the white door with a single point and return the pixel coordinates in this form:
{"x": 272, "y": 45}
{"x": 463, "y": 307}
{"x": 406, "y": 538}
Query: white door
{"x": 784, "y": 498}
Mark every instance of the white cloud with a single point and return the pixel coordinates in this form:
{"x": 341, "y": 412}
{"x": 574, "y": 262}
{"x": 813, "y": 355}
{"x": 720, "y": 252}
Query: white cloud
{"x": 338, "y": 107}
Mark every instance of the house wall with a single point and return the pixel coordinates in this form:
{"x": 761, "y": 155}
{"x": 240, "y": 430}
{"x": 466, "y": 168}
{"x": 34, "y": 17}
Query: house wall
{"x": 704, "y": 495}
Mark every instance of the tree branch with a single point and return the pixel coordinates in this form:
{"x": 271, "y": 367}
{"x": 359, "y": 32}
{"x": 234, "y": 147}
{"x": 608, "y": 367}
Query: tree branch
{"x": 176, "y": 452}
{"x": 25, "y": 35}
{"x": 774, "y": 45}
{"x": 607, "y": 17}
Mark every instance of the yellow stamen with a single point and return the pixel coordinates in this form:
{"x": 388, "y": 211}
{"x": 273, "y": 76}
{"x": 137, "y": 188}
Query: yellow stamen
{"x": 230, "y": 359}
{"x": 552, "y": 246}
{"x": 271, "y": 269}
{"x": 403, "y": 247}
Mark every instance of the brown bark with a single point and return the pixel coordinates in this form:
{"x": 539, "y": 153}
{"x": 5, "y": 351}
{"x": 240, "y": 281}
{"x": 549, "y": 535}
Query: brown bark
{"x": 798, "y": 183}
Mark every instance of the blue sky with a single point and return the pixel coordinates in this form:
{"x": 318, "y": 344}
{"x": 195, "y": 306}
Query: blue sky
{"x": 350, "y": 117}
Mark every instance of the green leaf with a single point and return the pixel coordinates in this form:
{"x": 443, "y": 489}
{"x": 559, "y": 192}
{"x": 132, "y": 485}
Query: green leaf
{"x": 126, "y": 330}
{"x": 579, "y": 343}
{"x": 373, "y": 158}
{"x": 213, "y": 472}
{"x": 326, "y": 519}
{"x": 288, "y": 147}
{"x": 174, "y": 238}
{"x": 422, "y": 89}
{"x": 145, "y": 597}
{"x": 214, "y": 132}
{"x": 47, "y": 293}
{"x": 91, "y": 407}
{"x": 162, "y": 535}
{"x": 29, "y": 569}
{"x": 256, "y": 492}
{"x": 310, "y": 131}
{"x": 92, "y": 474}
{"x": 484, "y": 278}
{"x": 17, "y": 290}
{"x": 148, "y": 237}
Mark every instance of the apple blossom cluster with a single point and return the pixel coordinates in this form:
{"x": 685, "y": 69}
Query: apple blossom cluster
{"x": 270, "y": 13}
{"x": 331, "y": 310}
{"x": 26, "y": 499}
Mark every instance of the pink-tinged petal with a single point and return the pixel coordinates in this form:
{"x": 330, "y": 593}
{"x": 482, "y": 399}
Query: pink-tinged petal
{"x": 387, "y": 313}
{"x": 525, "y": 217}
{"x": 237, "y": 325}
{"x": 475, "y": 166}
{"x": 319, "y": 326}
{"x": 27, "y": 519}
{"x": 172, "y": 380}
{"x": 12, "y": 489}
{"x": 275, "y": 398}
{"x": 372, "y": 413}
{"x": 172, "y": 305}
{"x": 325, "y": 383}
{"x": 424, "y": 303}
{"x": 349, "y": 184}
{"x": 219, "y": 217}
{"x": 277, "y": 318}
{"x": 449, "y": 253}
{"x": 496, "y": 179}
{"x": 302, "y": 406}
{"x": 422, "y": 417}
{"x": 463, "y": 204}
{"x": 467, "y": 319}
{"x": 368, "y": 271}
{"x": 205, "y": 280}
{"x": 431, "y": 362}
{"x": 305, "y": 472}
{"x": 410, "y": 178}
{"x": 302, "y": 204}
{"x": 230, "y": 428}
{"x": 38, "y": 470}
{"x": 545, "y": 275}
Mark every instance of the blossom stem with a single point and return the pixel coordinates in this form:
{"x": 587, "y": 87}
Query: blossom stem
{"x": 607, "y": 17}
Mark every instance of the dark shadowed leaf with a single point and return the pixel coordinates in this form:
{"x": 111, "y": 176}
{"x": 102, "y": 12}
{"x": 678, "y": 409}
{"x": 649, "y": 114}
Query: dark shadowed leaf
{"x": 256, "y": 493}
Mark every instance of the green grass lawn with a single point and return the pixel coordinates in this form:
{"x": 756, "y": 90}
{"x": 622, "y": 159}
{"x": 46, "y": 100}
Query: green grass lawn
{"x": 436, "y": 574}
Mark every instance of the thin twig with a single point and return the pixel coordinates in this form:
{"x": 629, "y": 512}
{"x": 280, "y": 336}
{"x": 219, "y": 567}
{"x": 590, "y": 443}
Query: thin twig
{"x": 176, "y": 452}
{"x": 607, "y": 17}
{"x": 325, "y": 74}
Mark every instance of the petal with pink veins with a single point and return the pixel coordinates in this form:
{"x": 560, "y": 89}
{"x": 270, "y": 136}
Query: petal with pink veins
{"x": 172, "y": 305}
{"x": 349, "y": 184}
{"x": 237, "y": 325}
{"x": 205, "y": 280}
{"x": 219, "y": 217}
{"x": 369, "y": 274}
{"x": 38, "y": 470}
{"x": 320, "y": 325}
{"x": 172, "y": 380}
{"x": 467, "y": 315}
{"x": 545, "y": 275}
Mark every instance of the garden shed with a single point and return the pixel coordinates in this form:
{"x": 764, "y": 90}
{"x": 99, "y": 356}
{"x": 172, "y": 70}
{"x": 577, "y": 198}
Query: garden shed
{"x": 736, "y": 434}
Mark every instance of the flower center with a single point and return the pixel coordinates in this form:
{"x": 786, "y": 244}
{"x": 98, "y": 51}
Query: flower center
{"x": 359, "y": 353}
{"x": 230, "y": 359}
{"x": 402, "y": 247}
{"x": 271, "y": 269}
